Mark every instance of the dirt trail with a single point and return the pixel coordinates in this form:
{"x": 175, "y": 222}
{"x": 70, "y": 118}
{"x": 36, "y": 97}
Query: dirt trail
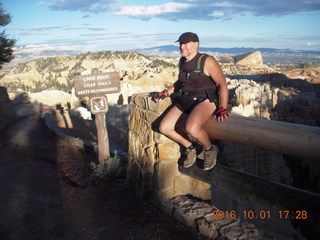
{"x": 38, "y": 200}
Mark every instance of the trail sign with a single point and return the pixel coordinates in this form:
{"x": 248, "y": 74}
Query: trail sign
{"x": 95, "y": 86}
{"x": 98, "y": 104}
{"x": 96, "y": 83}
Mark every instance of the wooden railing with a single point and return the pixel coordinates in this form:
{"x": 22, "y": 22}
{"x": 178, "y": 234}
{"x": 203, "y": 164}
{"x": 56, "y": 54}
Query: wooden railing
{"x": 288, "y": 138}
{"x": 292, "y": 139}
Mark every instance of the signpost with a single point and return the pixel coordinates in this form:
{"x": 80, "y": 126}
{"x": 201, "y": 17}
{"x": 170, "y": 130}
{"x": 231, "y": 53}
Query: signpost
{"x": 96, "y": 86}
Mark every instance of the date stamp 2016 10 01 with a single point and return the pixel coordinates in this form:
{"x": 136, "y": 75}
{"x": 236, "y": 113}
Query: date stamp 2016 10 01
{"x": 262, "y": 214}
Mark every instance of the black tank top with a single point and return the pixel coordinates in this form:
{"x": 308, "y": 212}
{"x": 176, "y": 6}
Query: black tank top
{"x": 192, "y": 81}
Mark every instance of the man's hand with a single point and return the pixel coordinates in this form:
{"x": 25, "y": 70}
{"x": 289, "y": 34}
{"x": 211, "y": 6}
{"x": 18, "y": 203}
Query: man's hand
{"x": 159, "y": 96}
{"x": 221, "y": 114}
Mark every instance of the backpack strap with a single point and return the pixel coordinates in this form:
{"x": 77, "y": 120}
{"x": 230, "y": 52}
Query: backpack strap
{"x": 199, "y": 63}
{"x": 180, "y": 62}
{"x": 198, "y": 68}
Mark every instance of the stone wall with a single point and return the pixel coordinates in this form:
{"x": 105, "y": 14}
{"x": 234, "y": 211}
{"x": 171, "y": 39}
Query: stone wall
{"x": 152, "y": 170}
{"x": 7, "y": 113}
{"x": 152, "y": 173}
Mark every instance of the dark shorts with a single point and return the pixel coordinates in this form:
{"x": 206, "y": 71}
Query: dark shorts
{"x": 186, "y": 101}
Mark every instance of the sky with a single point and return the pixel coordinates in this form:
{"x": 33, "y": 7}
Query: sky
{"x": 101, "y": 25}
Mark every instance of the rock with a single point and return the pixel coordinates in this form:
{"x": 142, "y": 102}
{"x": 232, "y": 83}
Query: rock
{"x": 59, "y": 72}
{"x": 84, "y": 113}
{"x": 258, "y": 162}
{"x": 253, "y": 99}
{"x": 289, "y": 100}
{"x": 253, "y": 59}
{"x": 200, "y": 215}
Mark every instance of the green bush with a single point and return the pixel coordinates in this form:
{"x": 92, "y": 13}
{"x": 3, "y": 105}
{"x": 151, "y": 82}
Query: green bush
{"x": 108, "y": 171}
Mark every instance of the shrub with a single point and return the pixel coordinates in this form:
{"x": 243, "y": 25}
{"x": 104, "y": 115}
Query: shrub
{"x": 108, "y": 171}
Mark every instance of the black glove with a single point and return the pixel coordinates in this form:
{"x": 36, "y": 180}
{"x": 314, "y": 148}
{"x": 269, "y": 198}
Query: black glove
{"x": 160, "y": 95}
{"x": 221, "y": 112}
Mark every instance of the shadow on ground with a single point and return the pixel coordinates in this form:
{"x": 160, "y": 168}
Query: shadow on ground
{"x": 40, "y": 199}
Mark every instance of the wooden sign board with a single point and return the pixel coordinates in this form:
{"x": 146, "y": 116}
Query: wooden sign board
{"x": 97, "y": 84}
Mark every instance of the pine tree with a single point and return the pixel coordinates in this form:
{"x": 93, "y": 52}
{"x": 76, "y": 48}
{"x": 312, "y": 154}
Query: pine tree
{"x": 6, "y": 44}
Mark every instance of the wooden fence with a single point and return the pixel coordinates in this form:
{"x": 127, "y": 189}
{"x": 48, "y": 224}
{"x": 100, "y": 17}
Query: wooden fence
{"x": 292, "y": 139}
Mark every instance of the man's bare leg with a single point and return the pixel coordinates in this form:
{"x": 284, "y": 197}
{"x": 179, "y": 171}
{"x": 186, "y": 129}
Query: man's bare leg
{"x": 197, "y": 118}
{"x": 173, "y": 124}
{"x": 194, "y": 126}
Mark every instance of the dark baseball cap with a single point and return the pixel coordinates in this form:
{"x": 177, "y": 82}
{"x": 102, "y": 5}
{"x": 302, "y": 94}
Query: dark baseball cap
{"x": 188, "y": 37}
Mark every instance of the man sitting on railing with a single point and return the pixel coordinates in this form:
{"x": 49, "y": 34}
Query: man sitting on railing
{"x": 201, "y": 91}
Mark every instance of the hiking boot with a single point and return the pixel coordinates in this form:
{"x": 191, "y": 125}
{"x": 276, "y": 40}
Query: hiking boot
{"x": 190, "y": 157}
{"x": 210, "y": 157}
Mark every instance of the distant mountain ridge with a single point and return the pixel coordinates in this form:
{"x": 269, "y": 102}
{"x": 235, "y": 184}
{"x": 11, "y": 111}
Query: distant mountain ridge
{"x": 234, "y": 50}
{"x": 270, "y": 55}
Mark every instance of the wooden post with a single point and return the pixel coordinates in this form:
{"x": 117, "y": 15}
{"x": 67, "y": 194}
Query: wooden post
{"x": 103, "y": 139}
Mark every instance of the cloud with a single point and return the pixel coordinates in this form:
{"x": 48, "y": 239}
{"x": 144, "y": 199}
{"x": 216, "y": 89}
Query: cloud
{"x": 151, "y": 11}
{"x": 32, "y": 48}
{"x": 92, "y": 40}
{"x": 220, "y": 9}
{"x": 92, "y": 6}
{"x": 41, "y": 29}
{"x": 312, "y": 44}
{"x": 190, "y": 9}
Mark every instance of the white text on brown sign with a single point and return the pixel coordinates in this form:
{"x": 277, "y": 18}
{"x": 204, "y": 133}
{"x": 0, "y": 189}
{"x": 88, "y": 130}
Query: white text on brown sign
{"x": 97, "y": 84}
